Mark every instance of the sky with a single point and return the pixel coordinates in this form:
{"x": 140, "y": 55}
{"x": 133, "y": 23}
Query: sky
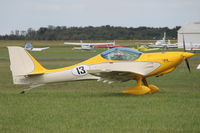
{"x": 24, "y": 14}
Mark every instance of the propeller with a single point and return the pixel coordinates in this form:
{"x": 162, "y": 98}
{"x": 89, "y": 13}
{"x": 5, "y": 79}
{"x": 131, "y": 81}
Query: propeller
{"x": 186, "y": 61}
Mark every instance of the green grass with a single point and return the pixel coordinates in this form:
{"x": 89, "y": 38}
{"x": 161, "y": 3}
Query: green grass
{"x": 90, "y": 106}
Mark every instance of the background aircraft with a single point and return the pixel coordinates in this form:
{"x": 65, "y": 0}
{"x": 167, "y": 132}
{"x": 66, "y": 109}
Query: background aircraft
{"x": 198, "y": 67}
{"x": 161, "y": 43}
{"x": 194, "y": 47}
{"x": 89, "y": 46}
{"x": 110, "y": 46}
{"x": 116, "y": 64}
{"x": 29, "y": 47}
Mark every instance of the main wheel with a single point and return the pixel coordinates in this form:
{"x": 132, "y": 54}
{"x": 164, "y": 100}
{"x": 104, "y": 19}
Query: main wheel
{"x": 138, "y": 90}
{"x": 153, "y": 89}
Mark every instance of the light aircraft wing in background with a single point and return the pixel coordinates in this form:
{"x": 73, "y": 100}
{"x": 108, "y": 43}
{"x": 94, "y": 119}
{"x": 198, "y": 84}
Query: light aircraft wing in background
{"x": 39, "y": 49}
{"x": 93, "y": 44}
{"x": 111, "y": 46}
{"x": 30, "y": 47}
{"x": 89, "y": 46}
{"x": 163, "y": 46}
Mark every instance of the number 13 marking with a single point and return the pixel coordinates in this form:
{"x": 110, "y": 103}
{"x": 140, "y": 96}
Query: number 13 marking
{"x": 81, "y": 70}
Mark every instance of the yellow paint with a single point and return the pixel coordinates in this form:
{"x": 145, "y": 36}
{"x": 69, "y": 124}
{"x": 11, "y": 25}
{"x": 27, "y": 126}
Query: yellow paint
{"x": 166, "y": 71}
{"x": 38, "y": 68}
{"x": 143, "y": 49}
{"x": 168, "y": 61}
{"x": 137, "y": 90}
{"x": 153, "y": 89}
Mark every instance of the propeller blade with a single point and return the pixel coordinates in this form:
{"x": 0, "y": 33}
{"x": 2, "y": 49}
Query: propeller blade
{"x": 187, "y": 62}
{"x": 188, "y": 66}
{"x": 184, "y": 44}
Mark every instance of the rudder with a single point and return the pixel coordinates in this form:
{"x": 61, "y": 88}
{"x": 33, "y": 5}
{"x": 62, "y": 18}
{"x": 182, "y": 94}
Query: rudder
{"x": 22, "y": 64}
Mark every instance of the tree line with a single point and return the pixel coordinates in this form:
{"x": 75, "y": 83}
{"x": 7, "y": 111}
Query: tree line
{"x": 106, "y": 32}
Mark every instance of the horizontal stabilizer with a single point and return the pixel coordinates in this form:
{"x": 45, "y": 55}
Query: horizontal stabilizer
{"x": 34, "y": 74}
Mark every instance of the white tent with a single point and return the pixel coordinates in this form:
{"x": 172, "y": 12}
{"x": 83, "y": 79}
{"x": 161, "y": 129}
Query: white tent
{"x": 191, "y": 33}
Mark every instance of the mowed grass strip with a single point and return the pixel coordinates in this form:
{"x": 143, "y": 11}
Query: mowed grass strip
{"x": 90, "y": 106}
{"x": 93, "y": 110}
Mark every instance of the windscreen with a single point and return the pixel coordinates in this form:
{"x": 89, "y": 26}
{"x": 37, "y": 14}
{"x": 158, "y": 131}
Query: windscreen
{"x": 121, "y": 54}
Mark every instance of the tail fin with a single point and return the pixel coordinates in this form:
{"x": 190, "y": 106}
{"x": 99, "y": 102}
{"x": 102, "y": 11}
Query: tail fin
{"x": 164, "y": 37}
{"x": 22, "y": 64}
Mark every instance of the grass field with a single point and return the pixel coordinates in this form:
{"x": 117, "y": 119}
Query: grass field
{"x": 90, "y": 106}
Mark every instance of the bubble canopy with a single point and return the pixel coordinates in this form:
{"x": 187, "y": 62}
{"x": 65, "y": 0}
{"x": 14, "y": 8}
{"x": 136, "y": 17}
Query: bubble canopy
{"x": 121, "y": 54}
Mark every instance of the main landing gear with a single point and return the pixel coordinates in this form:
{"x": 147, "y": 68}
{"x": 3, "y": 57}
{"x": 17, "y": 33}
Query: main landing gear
{"x": 142, "y": 89}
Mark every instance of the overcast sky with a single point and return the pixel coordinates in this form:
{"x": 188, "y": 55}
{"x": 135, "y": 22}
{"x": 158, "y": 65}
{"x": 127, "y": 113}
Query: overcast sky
{"x": 24, "y": 14}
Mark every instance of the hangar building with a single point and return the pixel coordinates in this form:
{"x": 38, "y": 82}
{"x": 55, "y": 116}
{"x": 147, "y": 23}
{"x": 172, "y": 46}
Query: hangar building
{"x": 191, "y": 33}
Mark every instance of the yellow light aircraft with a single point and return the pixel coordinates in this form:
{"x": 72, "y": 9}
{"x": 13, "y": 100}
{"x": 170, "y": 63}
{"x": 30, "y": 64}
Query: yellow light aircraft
{"x": 117, "y": 64}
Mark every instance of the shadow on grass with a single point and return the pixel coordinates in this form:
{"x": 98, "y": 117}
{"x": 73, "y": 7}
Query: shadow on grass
{"x": 113, "y": 94}
{"x": 77, "y": 94}
{"x": 120, "y": 94}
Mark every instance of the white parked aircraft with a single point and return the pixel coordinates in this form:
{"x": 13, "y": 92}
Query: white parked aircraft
{"x": 30, "y": 47}
{"x": 90, "y": 46}
{"x": 198, "y": 67}
{"x": 162, "y": 43}
{"x": 193, "y": 47}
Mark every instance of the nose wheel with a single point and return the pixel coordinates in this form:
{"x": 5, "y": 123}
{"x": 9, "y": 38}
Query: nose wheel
{"x": 141, "y": 89}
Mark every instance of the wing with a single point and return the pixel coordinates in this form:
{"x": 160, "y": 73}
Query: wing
{"x": 44, "y": 48}
{"x": 107, "y": 43}
{"x": 122, "y": 71}
{"x": 39, "y": 49}
{"x": 74, "y": 43}
{"x": 112, "y": 76}
{"x": 153, "y": 49}
{"x": 155, "y": 46}
{"x": 172, "y": 46}
{"x": 93, "y": 44}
